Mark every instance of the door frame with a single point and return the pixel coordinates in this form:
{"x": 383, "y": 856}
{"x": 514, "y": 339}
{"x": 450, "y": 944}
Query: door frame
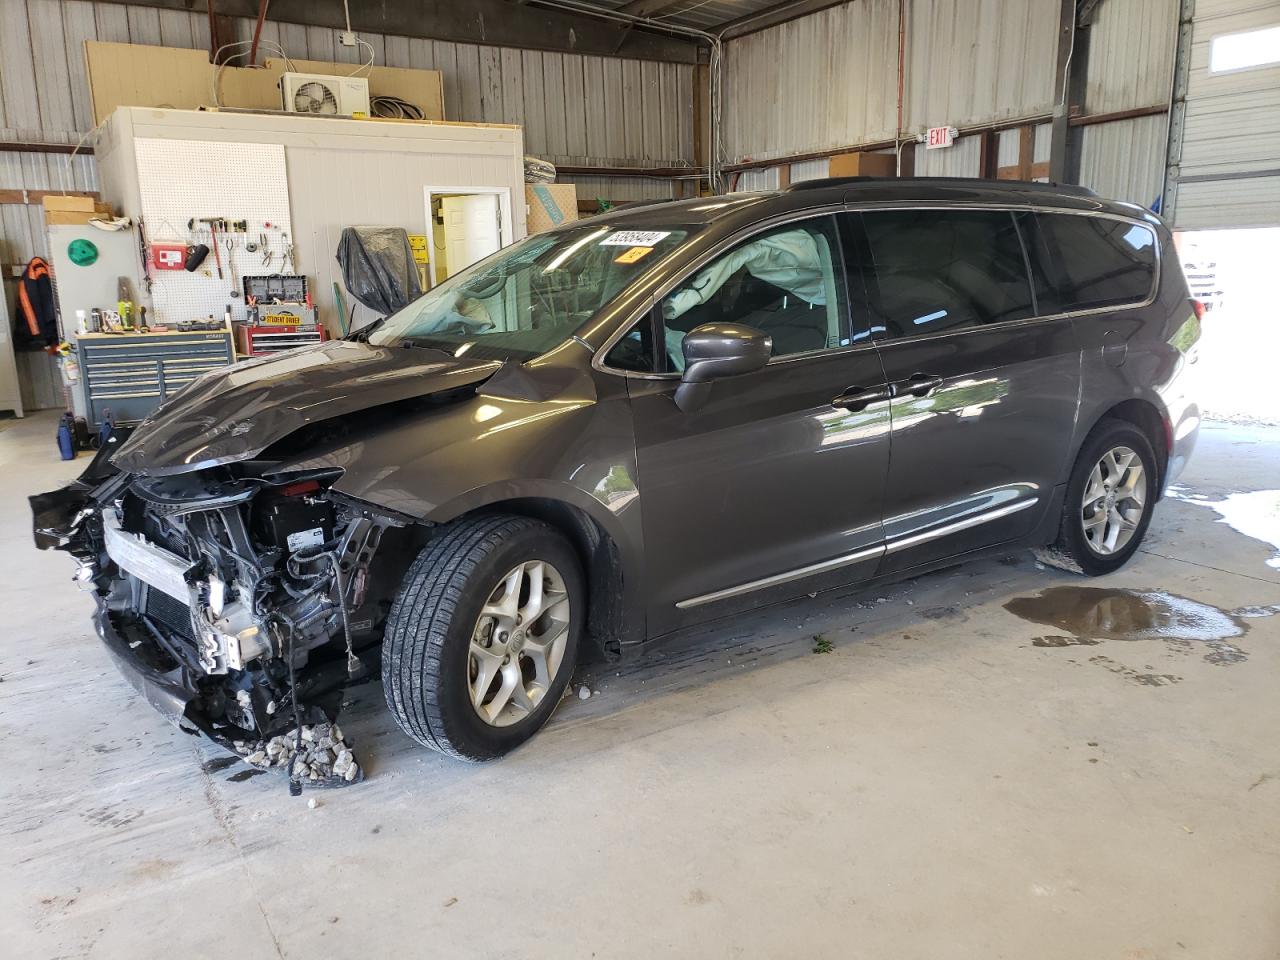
{"x": 506, "y": 229}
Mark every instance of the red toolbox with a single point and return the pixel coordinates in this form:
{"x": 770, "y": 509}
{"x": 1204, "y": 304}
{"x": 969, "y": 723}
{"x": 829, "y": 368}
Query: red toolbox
{"x": 255, "y": 340}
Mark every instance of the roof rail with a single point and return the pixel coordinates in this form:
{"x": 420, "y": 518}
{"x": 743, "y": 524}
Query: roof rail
{"x": 1013, "y": 185}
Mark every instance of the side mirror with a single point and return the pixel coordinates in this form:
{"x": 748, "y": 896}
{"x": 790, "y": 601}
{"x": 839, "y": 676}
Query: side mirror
{"x": 714, "y": 351}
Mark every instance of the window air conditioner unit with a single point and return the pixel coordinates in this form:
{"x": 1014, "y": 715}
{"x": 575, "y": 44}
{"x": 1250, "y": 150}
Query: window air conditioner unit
{"x": 328, "y": 96}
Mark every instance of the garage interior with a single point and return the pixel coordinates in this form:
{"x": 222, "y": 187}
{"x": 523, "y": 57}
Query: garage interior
{"x": 949, "y": 766}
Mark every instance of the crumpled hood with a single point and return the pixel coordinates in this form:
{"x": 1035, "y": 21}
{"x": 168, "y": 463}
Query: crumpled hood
{"x": 236, "y": 413}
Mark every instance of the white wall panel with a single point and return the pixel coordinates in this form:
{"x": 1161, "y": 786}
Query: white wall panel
{"x": 830, "y": 79}
{"x": 810, "y": 170}
{"x": 961, "y": 159}
{"x": 749, "y": 181}
{"x": 818, "y": 82}
{"x": 973, "y": 61}
{"x": 619, "y": 188}
{"x": 1131, "y": 52}
{"x": 1124, "y": 160}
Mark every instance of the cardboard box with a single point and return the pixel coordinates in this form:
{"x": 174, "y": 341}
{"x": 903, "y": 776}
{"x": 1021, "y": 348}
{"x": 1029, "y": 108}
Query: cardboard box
{"x": 550, "y": 205}
{"x": 140, "y": 75}
{"x": 862, "y": 165}
{"x": 69, "y": 210}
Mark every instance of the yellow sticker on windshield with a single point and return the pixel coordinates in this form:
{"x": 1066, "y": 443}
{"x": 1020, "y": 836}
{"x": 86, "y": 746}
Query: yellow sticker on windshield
{"x": 632, "y": 255}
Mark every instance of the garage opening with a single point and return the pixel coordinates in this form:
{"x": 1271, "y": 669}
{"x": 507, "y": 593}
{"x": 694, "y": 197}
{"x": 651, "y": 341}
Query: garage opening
{"x": 1229, "y": 271}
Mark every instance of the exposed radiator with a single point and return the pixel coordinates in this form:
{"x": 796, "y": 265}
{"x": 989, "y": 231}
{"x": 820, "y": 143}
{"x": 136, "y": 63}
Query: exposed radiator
{"x": 168, "y": 612}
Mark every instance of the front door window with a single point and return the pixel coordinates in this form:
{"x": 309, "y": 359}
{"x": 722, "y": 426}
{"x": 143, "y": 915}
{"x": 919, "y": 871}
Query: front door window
{"x": 784, "y": 282}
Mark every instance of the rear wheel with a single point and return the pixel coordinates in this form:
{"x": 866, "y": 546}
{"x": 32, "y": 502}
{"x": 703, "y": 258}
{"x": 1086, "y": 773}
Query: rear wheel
{"x": 483, "y": 637}
{"x": 1108, "y": 501}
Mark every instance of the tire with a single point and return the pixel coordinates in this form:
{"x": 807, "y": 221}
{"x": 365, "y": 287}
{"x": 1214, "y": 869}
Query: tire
{"x": 429, "y": 663}
{"x": 1082, "y": 545}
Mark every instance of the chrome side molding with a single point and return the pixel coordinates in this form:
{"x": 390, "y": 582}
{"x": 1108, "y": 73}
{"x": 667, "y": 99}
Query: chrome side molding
{"x": 826, "y": 566}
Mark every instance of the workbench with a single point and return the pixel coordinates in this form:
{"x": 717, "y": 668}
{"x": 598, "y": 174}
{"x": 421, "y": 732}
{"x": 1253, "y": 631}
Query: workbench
{"x": 130, "y": 374}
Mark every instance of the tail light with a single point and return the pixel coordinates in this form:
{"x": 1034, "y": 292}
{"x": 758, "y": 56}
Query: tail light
{"x": 1197, "y": 308}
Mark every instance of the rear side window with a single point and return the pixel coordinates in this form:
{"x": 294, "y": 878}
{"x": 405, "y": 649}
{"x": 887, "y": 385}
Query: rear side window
{"x": 932, "y": 271}
{"x": 1085, "y": 262}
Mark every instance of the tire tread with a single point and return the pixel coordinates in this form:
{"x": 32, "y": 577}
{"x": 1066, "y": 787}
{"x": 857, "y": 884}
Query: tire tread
{"x": 419, "y": 620}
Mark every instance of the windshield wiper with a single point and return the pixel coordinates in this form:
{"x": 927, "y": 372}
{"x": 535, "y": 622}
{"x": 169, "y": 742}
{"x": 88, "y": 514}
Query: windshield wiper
{"x": 420, "y": 345}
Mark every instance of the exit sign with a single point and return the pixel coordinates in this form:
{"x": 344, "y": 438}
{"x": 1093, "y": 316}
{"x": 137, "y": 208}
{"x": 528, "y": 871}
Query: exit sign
{"x": 940, "y": 137}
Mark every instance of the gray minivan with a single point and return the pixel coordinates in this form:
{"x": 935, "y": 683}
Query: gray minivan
{"x": 631, "y": 424}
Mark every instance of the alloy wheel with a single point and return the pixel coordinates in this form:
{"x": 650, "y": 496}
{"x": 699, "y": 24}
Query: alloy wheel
{"x": 1114, "y": 500}
{"x": 518, "y": 644}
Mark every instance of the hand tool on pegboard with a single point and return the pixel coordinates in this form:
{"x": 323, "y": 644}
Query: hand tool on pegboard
{"x": 231, "y": 264}
{"x": 215, "y": 224}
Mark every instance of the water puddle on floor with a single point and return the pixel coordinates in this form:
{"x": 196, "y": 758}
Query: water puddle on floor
{"x": 1255, "y": 514}
{"x": 1090, "y": 615}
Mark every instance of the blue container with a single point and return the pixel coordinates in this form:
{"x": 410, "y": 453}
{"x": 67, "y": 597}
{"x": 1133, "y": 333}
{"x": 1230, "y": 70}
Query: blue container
{"x": 108, "y": 424}
{"x": 67, "y": 437}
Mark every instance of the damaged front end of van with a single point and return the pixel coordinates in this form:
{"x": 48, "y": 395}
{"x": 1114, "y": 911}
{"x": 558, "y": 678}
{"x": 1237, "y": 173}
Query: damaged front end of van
{"x": 239, "y": 592}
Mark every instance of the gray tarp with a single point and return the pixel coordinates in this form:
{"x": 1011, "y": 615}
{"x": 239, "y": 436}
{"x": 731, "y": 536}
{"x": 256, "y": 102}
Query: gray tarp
{"x": 378, "y": 268}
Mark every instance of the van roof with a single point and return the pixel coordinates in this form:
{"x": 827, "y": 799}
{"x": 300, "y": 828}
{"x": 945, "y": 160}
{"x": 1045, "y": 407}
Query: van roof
{"x": 736, "y": 209}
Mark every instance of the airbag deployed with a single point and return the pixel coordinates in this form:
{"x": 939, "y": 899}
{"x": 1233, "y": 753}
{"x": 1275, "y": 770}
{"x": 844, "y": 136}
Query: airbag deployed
{"x": 790, "y": 261}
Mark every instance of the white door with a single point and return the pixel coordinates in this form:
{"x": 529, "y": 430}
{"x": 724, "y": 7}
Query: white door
{"x": 1226, "y": 143}
{"x": 470, "y": 228}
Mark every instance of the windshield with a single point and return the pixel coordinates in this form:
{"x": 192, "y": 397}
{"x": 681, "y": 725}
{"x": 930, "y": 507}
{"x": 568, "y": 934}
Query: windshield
{"x": 531, "y": 297}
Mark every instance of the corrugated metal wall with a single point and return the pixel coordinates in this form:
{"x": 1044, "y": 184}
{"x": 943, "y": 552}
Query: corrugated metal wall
{"x": 591, "y": 188}
{"x": 818, "y": 82}
{"x": 830, "y": 79}
{"x": 579, "y": 110}
{"x": 1125, "y": 159}
{"x": 961, "y": 159}
{"x": 1131, "y": 52}
{"x": 974, "y": 61}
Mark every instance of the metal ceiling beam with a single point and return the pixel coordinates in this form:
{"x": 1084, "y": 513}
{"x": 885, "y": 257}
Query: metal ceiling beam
{"x": 648, "y": 8}
{"x": 495, "y": 22}
{"x": 772, "y": 16}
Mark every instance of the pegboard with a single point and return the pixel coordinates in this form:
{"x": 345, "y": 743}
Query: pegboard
{"x": 183, "y": 179}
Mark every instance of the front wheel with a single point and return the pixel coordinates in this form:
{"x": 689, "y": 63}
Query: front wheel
{"x": 1108, "y": 501}
{"x": 483, "y": 636}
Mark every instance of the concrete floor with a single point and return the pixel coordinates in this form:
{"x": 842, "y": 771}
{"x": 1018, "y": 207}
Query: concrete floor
{"x": 937, "y": 786}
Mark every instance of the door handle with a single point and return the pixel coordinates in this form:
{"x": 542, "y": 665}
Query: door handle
{"x": 916, "y": 385}
{"x": 859, "y": 398}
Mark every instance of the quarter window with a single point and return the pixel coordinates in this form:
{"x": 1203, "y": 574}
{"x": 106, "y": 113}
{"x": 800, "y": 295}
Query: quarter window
{"x": 933, "y": 271}
{"x": 634, "y": 352}
{"x": 1085, "y": 262}
{"x": 785, "y": 282}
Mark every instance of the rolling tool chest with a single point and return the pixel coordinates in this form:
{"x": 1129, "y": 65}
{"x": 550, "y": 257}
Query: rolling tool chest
{"x": 131, "y": 374}
{"x": 279, "y": 316}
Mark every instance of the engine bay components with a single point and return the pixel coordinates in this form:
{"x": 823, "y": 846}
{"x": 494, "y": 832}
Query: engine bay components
{"x": 246, "y": 596}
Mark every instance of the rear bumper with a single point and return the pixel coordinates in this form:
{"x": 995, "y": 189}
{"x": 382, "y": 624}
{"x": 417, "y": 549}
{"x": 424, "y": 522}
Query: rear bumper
{"x": 1182, "y": 444}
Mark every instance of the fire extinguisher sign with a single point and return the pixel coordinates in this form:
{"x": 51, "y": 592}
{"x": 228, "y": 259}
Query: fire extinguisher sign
{"x": 940, "y": 137}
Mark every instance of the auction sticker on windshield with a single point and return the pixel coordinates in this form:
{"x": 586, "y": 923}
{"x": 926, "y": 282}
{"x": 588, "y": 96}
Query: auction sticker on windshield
{"x": 632, "y": 255}
{"x": 634, "y": 238}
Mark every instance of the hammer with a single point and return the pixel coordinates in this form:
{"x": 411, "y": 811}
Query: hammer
{"x": 213, "y": 223}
